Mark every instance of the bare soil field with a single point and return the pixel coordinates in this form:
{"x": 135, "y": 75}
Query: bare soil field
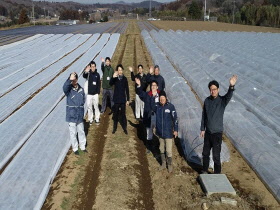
{"x": 210, "y": 26}
{"x": 118, "y": 174}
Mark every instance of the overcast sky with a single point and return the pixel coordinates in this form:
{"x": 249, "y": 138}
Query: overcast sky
{"x": 104, "y": 1}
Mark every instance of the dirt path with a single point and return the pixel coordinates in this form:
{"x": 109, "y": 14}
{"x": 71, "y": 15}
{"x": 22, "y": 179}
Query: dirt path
{"x": 118, "y": 174}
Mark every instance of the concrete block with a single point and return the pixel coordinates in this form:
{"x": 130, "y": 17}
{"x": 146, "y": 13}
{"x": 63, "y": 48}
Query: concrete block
{"x": 229, "y": 201}
{"x": 216, "y": 183}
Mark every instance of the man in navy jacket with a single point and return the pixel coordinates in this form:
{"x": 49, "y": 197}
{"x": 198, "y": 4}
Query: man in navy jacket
{"x": 75, "y": 111}
{"x": 212, "y": 123}
{"x": 166, "y": 127}
{"x": 93, "y": 78}
{"x": 120, "y": 98}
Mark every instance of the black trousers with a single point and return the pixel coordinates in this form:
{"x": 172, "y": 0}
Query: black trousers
{"x": 212, "y": 141}
{"x": 119, "y": 115}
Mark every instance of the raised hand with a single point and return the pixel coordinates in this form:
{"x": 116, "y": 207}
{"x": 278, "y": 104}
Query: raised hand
{"x": 175, "y": 134}
{"x": 137, "y": 81}
{"x": 116, "y": 74}
{"x": 73, "y": 76}
{"x": 87, "y": 69}
{"x": 233, "y": 80}
{"x": 102, "y": 60}
{"x": 130, "y": 69}
{"x": 151, "y": 70}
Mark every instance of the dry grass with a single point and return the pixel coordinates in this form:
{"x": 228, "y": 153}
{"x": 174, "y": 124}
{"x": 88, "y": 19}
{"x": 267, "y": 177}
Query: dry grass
{"x": 210, "y": 26}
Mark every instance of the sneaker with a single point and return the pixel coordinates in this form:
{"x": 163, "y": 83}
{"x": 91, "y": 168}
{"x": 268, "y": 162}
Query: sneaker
{"x": 85, "y": 151}
{"x": 125, "y": 131}
{"x": 76, "y": 152}
{"x": 97, "y": 122}
{"x": 90, "y": 122}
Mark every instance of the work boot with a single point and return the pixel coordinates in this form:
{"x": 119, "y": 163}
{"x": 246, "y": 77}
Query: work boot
{"x": 163, "y": 162}
{"x": 169, "y": 164}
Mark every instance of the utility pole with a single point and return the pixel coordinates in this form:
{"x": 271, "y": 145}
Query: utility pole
{"x": 33, "y": 13}
{"x": 150, "y": 11}
{"x": 233, "y": 12}
{"x": 204, "y": 10}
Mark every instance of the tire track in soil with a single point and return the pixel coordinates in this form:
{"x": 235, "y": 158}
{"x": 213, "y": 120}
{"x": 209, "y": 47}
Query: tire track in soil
{"x": 91, "y": 181}
{"x": 144, "y": 178}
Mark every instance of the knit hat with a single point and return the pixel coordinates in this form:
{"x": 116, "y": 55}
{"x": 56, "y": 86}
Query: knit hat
{"x": 162, "y": 93}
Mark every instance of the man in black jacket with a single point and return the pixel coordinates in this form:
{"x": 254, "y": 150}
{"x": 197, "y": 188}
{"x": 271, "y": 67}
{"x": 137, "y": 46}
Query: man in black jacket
{"x": 120, "y": 98}
{"x": 93, "y": 78}
{"x": 139, "y": 104}
{"x": 212, "y": 123}
{"x": 154, "y": 75}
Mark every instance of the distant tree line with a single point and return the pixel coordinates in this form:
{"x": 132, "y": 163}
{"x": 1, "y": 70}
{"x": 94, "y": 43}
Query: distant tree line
{"x": 175, "y": 9}
{"x": 73, "y": 15}
{"x": 249, "y": 13}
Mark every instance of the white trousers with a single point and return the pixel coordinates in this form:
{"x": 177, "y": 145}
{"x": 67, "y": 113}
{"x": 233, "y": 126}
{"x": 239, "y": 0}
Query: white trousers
{"x": 92, "y": 101}
{"x": 139, "y": 107}
{"x": 150, "y": 130}
{"x": 74, "y": 128}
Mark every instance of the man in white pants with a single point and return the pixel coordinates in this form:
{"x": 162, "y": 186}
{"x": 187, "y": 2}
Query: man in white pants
{"x": 93, "y": 78}
{"x": 75, "y": 112}
{"x": 139, "y": 104}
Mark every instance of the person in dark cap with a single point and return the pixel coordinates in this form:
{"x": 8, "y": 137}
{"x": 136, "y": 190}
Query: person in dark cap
{"x": 166, "y": 127}
{"x": 154, "y": 75}
{"x": 212, "y": 123}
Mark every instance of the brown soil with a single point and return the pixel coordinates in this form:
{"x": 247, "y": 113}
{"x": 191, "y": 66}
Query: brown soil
{"x": 210, "y": 26}
{"x": 118, "y": 174}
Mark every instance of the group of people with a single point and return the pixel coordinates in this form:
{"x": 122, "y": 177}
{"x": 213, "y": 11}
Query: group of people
{"x": 158, "y": 115}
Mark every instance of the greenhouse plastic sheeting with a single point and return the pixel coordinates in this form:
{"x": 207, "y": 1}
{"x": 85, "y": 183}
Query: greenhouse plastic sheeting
{"x": 188, "y": 108}
{"x": 51, "y": 56}
{"x": 29, "y": 48}
{"x": 252, "y": 117}
{"x": 10, "y": 101}
{"x": 16, "y": 129}
{"x": 26, "y": 180}
{"x": 9, "y": 46}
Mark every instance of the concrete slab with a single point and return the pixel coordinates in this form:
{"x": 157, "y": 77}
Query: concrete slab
{"x": 216, "y": 183}
{"x": 229, "y": 201}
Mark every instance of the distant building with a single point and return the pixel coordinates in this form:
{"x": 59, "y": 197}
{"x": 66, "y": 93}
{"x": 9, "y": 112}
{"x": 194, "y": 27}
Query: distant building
{"x": 67, "y": 22}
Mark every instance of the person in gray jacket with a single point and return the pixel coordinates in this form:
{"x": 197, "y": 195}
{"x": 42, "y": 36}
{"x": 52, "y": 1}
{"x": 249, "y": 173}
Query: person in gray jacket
{"x": 212, "y": 123}
{"x": 75, "y": 111}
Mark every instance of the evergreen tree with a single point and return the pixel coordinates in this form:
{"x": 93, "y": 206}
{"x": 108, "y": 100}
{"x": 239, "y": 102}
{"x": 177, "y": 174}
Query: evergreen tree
{"x": 23, "y": 18}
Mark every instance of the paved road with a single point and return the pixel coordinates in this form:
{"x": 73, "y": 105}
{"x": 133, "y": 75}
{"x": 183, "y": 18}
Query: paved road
{"x": 13, "y": 35}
